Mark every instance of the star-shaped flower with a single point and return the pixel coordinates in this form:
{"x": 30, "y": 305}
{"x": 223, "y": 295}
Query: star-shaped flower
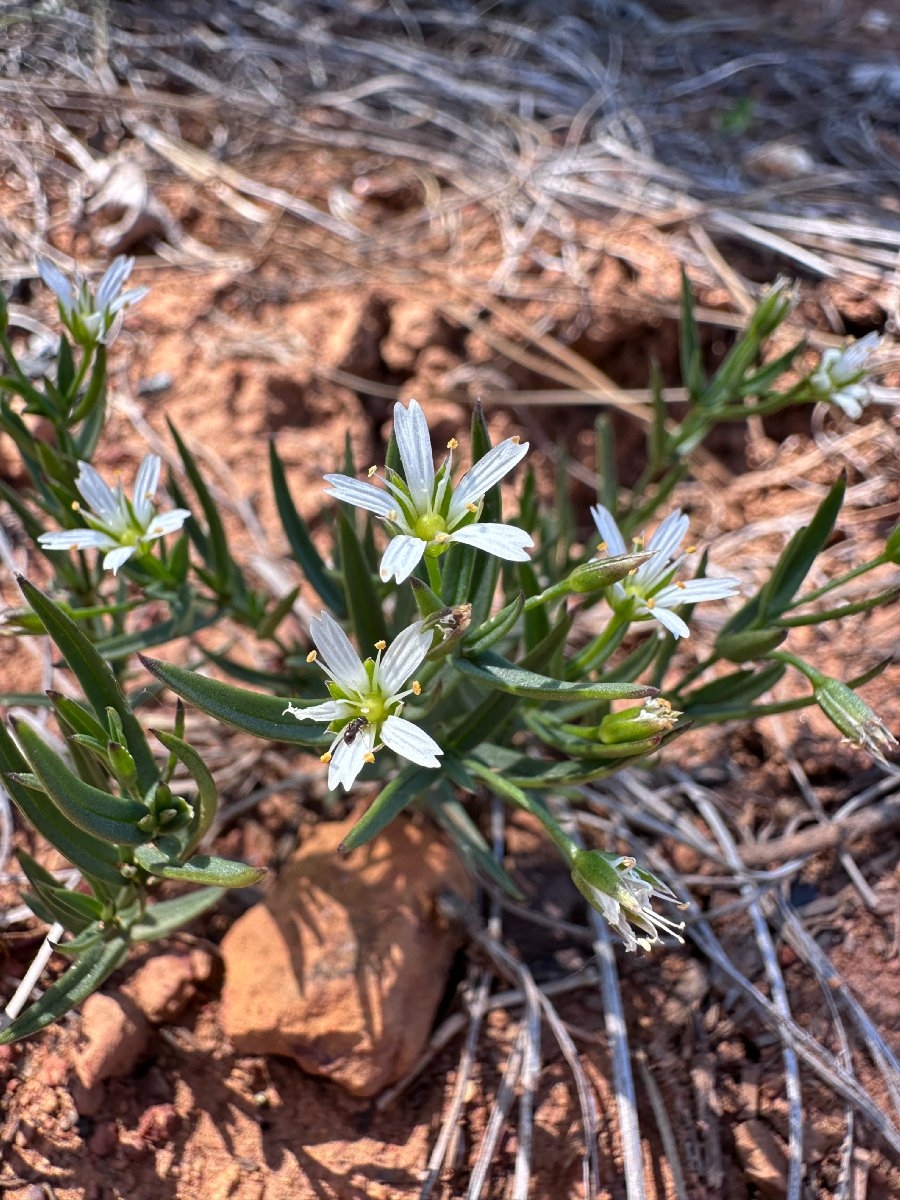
{"x": 652, "y": 591}
{"x": 116, "y": 524}
{"x": 841, "y": 375}
{"x": 364, "y": 711}
{"x": 621, "y": 892}
{"x": 92, "y": 317}
{"x": 423, "y": 512}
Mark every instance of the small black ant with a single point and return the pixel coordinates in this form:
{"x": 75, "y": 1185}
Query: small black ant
{"x": 353, "y": 729}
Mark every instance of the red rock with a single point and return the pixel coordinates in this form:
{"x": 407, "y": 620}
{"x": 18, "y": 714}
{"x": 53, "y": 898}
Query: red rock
{"x": 116, "y": 1036}
{"x": 53, "y": 1070}
{"x": 165, "y": 984}
{"x": 157, "y": 1123}
{"x": 343, "y": 967}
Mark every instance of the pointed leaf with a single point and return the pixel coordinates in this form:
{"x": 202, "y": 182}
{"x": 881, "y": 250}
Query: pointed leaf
{"x": 254, "y": 712}
{"x": 500, "y": 674}
{"x": 168, "y": 916}
{"x": 491, "y": 631}
{"x": 202, "y": 868}
{"x": 363, "y": 602}
{"x": 207, "y": 792}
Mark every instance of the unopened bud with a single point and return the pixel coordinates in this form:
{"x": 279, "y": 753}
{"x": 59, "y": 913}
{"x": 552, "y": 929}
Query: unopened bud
{"x": 775, "y": 306}
{"x": 635, "y": 724}
{"x": 121, "y": 763}
{"x": 602, "y": 572}
{"x": 748, "y": 644}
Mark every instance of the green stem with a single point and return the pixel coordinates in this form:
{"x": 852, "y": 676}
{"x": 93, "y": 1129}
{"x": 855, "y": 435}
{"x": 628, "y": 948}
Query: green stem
{"x": 598, "y": 651}
{"x": 434, "y": 573}
{"x": 854, "y": 573}
{"x": 515, "y": 795}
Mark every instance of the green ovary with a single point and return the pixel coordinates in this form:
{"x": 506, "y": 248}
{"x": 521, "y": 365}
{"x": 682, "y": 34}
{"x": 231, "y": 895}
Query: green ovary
{"x": 372, "y": 707}
{"x": 428, "y": 526}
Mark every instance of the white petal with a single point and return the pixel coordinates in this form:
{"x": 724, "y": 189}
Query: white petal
{"x": 363, "y": 495}
{"x": 401, "y": 557}
{"x": 331, "y": 710}
{"x": 56, "y": 282}
{"x": 111, "y": 283}
{"x": 115, "y": 558}
{"x": 169, "y": 522}
{"x": 669, "y": 535}
{"x": 693, "y": 590}
{"x": 145, "y": 484}
{"x": 482, "y": 476}
{"x": 608, "y": 530}
{"x": 505, "y": 541}
{"x": 338, "y": 654}
{"x": 414, "y": 443}
{"x": 100, "y": 497}
{"x": 668, "y": 619}
{"x": 404, "y": 654}
{"x": 83, "y": 539}
{"x": 411, "y": 742}
{"x": 348, "y": 760}
{"x": 132, "y": 296}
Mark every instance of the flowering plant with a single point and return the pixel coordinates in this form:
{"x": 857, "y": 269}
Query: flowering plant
{"x": 510, "y": 656}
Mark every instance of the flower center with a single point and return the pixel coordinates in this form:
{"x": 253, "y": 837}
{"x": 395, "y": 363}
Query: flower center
{"x": 428, "y": 526}
{"x": 373, "y": 708}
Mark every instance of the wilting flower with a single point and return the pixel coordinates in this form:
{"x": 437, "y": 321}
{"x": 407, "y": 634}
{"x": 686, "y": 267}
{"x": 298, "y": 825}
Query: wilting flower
{"x": 423, "y": 512}
{"x": 652, "y": 590}
{"x": 364, "y": 710}
{"x": 116, "y": 524}
{"x": 841, "y": 375}
{"x": 92, "y": 317}
{"x": 852, "y": 716}
{"x": 621, "y": 892}
{"x": 654, "y": 717}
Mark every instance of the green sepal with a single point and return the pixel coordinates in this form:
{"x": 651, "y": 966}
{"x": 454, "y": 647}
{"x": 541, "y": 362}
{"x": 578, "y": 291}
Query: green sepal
{"x": 254, "y": 712}
{"x": 411, "y": 784}
{"x": 427, "y": 602}
{"x": 202, "y": 868}
{"x": 110, "y": 818}
{"x": 501, "y": 675}
{"x": 491, "y": 631}
{"x": 207, "y": 792}
{"x": 363, "y": 602}
{"x": 168, "y": 916}
{"x": 96, "y": 679}
{"x": 83, "y": 978}
{"x": 302, "y": 545}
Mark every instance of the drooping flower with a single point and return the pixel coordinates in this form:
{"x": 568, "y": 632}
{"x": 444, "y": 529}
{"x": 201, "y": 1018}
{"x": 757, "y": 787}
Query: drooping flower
{"x": 92, "y": 317}
{"x": 841, "y": 375}
{"x": 652, "y": 591}
{"x": 852, "y": 716}
{"x": 116, "y": 524}
{"x": 621, "y": 892}
{"x": 423, "y": 512}
{"x": 366, "y": 700}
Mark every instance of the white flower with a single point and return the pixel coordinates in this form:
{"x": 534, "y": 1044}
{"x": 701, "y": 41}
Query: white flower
{"x": 651, "y": 591}
{"x": 841, "y": 375}
{"x": 116, "y": 524}
{"x": 424, "y": 513}
{"x": 92, "y": 317}
{"x": 621, "y": 892}
{"x": 364, "y": 711}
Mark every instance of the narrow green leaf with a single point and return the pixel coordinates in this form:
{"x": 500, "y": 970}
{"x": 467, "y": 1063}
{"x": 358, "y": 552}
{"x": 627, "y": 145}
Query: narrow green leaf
{"x": 96, "y": 679}
{"x": 730, "y": 693}
{"x": 220, "y": 559}
{"x": 799, "y": 555}
{"x": 167, "y": 917}
{"x": 363, "y": 602}
{"x": 254, "y": 712}
{"x": 207, "y": 792}
{"x": 689, "y": 343}
{"x": 83, "y": 978}
{"x": 500, "y": 674}
{"x": 202, "y": 868}
{"x": 490, "y": 632}
{"x": 110, "y": 818}
{"x": 410, "y": 785}
{"x": 73, "y": 910}
{"x": 300, "y": 541}
{"x": 473, "y": 849}
{"x": 457, "y": 569}
{"x": 65, "y": 368}
{"x": 77, "y": 945}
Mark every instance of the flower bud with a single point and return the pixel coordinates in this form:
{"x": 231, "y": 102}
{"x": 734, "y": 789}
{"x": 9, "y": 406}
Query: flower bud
{"x": 121, "y": 763}
{"x": 775, "y": 306}
{"x": 748, "y": 643}
{"x": 621, "y": 892}
{"x": 602, "y": 572}
{"x": 853, "y": 717}
{"x": 654, "y": 716}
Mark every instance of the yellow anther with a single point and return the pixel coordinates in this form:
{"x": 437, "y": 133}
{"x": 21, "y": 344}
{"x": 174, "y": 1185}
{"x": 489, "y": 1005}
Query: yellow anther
{"x": 372, "y": 471}
{"x": 392, "y": 515}
{"x": 679, "y": 584}
{"x": 638, "y": 542}
{"x": 691, "y": 550}
{"x": 441, "y": 536}
{"x": 603, "y": 546}
{"x": 453, "y": 444}
{"x": 325, "y": 758}
{"x": 416, "y": 688}
{"x": 369, "y": 758}
{"x": 472, "y": 508}
{"x": 312, "y": 656}
{"x": 650, "y": 603}
{"x": 75, "y": 506}
{"x": 515, "y": 439}
{"x": 380, "y": 644}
